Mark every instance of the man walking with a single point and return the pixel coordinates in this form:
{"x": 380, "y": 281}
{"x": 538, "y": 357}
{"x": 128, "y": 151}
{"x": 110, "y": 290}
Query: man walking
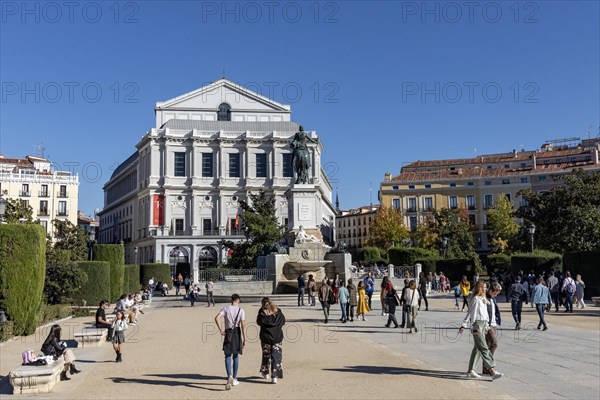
{"x": 234, "y": 333}
{"x": 210, "y": 286}
{"x": 517, "y": 294}
{"x": 494, "y": 322}
{"x": 554, "y": 291}
{"x": 569, "y": 287}
{"x": 541, "y": 298}
{"x": 301, "y": 288}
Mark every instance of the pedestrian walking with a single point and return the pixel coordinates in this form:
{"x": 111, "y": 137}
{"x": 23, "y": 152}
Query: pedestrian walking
{"x": 210, "y": 286}
{"x": 423, "y": 290}
{"x": 456, "y": 291}
{"x": 554, "y": 289}
{"x": 369, "y": 284}
{"x": 352, "y": 299}
{"x": 177, "y": 283}
{"x": 301, "y": 288}
{"x": 194, "y": 295}
{"x": 491, "y": 339}
{"x": 579, "y": 292}
{"x": 312, "y": 290}
{"x": 540, "y": 296}
{"x": 325, "y": 293}
{"x": 270, "y": 318}
{"x": 234, "y": 333}
{"x": 465, "y": 288}
{"x": 343, "y": 297}
{"x": 517, "y": 294}
{"x": 392, "y": 302}
{"x": 385, "y": 286}
{"x": 363, "y": 307}
{"x": 411, "y": 299}
{"x": 403, "y": 303}
{"x": 187, "y": 282}
{"x": 335, "y": 285}
{"x": 477, "y": 319}
{"x": 119, "y": 327}
{"x": 569, "y": 287}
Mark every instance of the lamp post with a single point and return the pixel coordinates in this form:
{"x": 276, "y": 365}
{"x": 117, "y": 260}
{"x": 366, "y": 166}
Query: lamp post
{"x": 91, "y": 242}
{"x": 532, "y": 232}
{"x": 445, "y": 245}
{"x": 2, "y": 208}
{"x": 135, "y": 250}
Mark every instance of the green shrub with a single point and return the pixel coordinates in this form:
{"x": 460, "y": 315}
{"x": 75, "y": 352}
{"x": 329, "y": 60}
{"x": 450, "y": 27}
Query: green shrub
{"x": 53, "y": 312}
{"x": 62, "y": 282}
{"x": 115, "y": 255}
{"x": 131, "y": 281}
{"x": 370, "y": 255}
{"x": 539, "y": 261}
{"x": 498, "y": 262}
{"x": 428, "y": 264}
{"x": 160, "y": 273}
{"x": 404, "y": 256}
{"x": 585, "y": 263}
{"x": 455, "y": 268}
{"x": 97, "y": 287}
{"x": 22, "y": 274}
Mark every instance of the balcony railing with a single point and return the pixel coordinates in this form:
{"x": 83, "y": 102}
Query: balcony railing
{"x": 43, "y": 194}
{"x": 412, "y": 209}
{"x": 179, "y": 232}
{"x": 24, "y": 193}
{"x": 43, "y": 213}
{"x": 233, "y": 275}
{"x": 63, "y": 194}
{"x": 62, "y": 213}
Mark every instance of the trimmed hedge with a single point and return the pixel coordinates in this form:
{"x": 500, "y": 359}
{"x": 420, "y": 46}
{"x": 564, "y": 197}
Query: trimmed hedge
{"x": 585, "y": 263}
{"x": 160, "y": 273}
{"x": 539, "y": 261}
{"x": 97, "y": 286}
{"x": 497, "y": 262}
{"x": 455, "y": 268}
{"x": 402, "y": 256}
{"x": 131, "y": 280}
{"x": 369, "y": 255}
{"x": 22, "y": 274}
{"x": 115, "y": 255}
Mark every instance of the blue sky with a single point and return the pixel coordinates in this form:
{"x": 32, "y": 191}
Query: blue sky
{"x": 383, "y": 83}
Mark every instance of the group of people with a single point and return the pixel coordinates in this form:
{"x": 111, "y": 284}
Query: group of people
{"x": 271, "y": 320}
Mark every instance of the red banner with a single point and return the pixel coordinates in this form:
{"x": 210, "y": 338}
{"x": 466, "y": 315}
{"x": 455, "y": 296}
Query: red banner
{"x": 158, "y": 210}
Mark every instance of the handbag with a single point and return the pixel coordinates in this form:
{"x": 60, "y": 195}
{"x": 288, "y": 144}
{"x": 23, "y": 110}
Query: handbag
{"x": 230, "y": 331}
{"x": 331, "y": 297}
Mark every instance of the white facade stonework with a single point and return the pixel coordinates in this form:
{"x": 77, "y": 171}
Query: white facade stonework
{"x": 178, "y": 195}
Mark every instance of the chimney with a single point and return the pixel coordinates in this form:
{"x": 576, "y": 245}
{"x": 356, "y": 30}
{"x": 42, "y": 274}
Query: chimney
{"x": 514, "y": 153}
{"x": 387, "y": 177}
{"x": 595, "y": 157}
{"x": 534, "y": 159}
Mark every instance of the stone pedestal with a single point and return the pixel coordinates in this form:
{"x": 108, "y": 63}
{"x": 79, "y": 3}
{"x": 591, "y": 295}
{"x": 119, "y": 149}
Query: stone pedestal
{"x": 304, "y": 209}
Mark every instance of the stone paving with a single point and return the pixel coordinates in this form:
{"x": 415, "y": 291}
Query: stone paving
{"x": 175, "y": 353}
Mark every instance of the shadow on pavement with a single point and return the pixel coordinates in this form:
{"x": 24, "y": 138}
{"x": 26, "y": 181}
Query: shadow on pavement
{"x": 377, "y": 370}
{"x": 193, "y": 381}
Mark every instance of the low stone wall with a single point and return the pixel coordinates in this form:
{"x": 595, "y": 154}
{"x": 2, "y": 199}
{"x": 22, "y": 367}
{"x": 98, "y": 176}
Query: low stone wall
{"x": 241, "y": 288}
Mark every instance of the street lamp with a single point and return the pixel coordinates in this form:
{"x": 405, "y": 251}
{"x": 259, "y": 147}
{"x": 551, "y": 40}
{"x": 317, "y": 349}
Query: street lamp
{"x": 532, "y": 232}
{"x": 445, "y": 245}
{"x": 91, "y": 242}
{"x": 2, "y": 207}
{"x": 135, "y": 250}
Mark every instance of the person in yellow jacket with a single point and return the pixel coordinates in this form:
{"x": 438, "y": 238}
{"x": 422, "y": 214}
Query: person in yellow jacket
{"x": 363, "y": 307}
{"x": 465, "y": 288}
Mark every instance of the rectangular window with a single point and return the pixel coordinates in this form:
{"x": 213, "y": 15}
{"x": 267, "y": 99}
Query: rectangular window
{"x": 429, "y": 203}
{"x": 288, "y": 170}
{"x": 524, "y": 180}
{"x": 428, "y": 186}
{"x": 523, "y": 165}
{"x": 25, "y": 189}
{"x": 453, "y": 202}
{"x": 207, "y": 165}
{"x": 488, "y": 183}
{"x": 472, "y": 220}
{"x": 413, "y": 224}
{"x": 412, "y": 205}
{"x": 206, "y": 226}
{"x": 508, "y": 196}
{"x": 470, "y": 183}
{"x": 234, "y": 165}
{"x": 471, "y": 202}
{"x": 43, "y": 207}
{"x": 396, "y": 204}
{"x": 505, "y": 181}
{"x": 179, "y": 226}
{"x": 179, "y": 164}
{"x": 488, "y": 201}
{"x": 411, "y": 186}
{"x": 44, "y": 191}
{"x": 261, "y": 165}
{"x": 44, "y": 224}
{"x": 62, "y": 191}
{"x": 452, "y": 184}
{"x": 395, "y": 187}
{"x": 62, "y": 208}
{"x": 523, "y": 202}
{"x": 542, "y": 179}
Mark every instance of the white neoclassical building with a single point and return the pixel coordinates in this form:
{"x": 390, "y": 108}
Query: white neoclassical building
{"x": 177, "y": 196}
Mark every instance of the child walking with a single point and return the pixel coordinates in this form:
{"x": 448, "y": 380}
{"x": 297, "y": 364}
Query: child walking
{"x": 120, "y": 326}
{"x": 362, "y": 307}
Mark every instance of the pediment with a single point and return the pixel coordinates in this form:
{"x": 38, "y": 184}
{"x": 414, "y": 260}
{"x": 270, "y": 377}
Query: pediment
{"x": 208, "y": 98}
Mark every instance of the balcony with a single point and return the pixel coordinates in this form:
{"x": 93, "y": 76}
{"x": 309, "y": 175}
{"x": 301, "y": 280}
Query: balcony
{"x": 24, "y": 193}
{"x": 412, "y": 209}
{"x": 179, "y": 232}
{"x": 63, "y": 195}
{"x": 62, "y": 213}
{"x": 43, "y": 194}
{"x": 43, "y": 213}
{"x": 471, "y": 207}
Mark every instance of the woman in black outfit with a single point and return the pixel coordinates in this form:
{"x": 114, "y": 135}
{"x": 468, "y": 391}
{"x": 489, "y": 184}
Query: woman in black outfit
{"x": 53, "y": 346}
{"x": 271, "y": 320}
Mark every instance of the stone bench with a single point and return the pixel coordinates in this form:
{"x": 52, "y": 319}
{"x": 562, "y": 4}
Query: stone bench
{"x": 91, "y": 336}
{"x": 596, "y": 301}
{"x": 31, "y": 379}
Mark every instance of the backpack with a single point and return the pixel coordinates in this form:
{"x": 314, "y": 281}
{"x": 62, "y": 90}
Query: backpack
{"x": 331, "y": 297}
{"x": 570, "y": 287}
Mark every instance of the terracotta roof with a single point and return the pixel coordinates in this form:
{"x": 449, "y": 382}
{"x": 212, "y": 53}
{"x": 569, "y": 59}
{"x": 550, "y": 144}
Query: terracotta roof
{"x": 19, "y": 161}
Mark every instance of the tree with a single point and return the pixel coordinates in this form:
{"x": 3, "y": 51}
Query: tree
{"x": 18, "y": 211}
{"x": 62, "y": 281}
{"x": 503, "y": 228}
{"x": 567, "y": 218}
{"x": 260, "y": 228}
{"x": 387, "y": 228}
{"x": 70, "y": 237}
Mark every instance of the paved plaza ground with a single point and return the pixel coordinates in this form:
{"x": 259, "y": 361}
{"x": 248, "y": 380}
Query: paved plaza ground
{"x": 175, "y": 352}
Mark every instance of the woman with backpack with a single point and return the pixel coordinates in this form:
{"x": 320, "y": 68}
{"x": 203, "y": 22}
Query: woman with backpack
{"x": 270, "y": 318}
{"x": 56, "y": 348}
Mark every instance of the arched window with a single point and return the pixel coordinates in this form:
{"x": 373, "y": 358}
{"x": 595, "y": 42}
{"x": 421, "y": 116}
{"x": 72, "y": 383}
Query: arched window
{"x": 224, "y": 113}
